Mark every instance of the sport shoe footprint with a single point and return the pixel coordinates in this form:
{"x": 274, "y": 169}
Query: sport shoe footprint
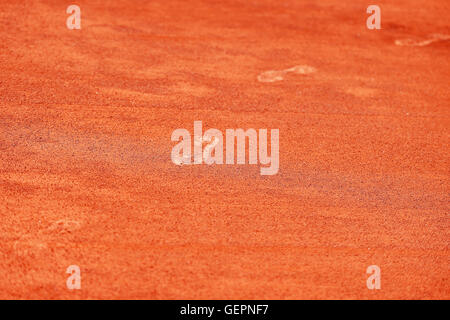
{"x": 29, "y": 246}
{"x": 413, "y": 43}
{"x": 63, "y": 226}
{"x": 273, "y": 75}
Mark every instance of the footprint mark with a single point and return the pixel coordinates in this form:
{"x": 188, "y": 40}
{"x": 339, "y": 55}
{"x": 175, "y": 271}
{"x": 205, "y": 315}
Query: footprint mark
{"x": 414, "y": 43}
{"x": 64, "y": 226}
{"x": 273, "y": 75}
{"x": 28, "y": 246}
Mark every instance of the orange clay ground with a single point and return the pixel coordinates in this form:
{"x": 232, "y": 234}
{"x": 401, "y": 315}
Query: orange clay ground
{"x": 86, "y": 176}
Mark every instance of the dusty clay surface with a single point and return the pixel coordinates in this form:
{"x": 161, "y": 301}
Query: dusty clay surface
{"x": 86, "y": 176}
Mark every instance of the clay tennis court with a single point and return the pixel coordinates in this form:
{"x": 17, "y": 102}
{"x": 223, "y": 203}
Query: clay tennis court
{"x": 86, "y": 176}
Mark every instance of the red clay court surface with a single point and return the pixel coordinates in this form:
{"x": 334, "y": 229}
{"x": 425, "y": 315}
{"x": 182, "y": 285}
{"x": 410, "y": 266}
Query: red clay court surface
{"x": 86, "y": 176}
